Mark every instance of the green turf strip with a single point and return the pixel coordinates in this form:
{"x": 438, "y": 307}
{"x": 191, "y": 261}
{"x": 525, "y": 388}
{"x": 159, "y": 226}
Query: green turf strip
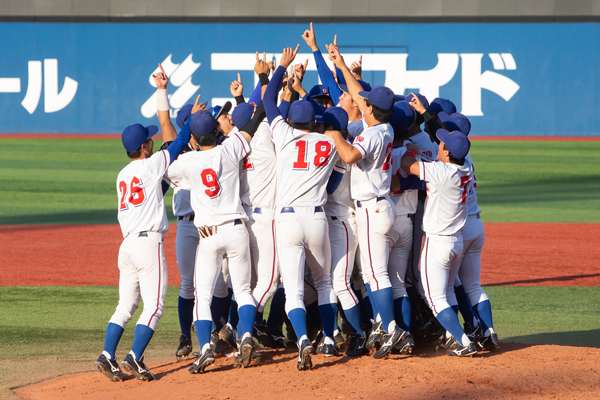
{"x": 40, "y": 322}
{"x": 72, "y": 181}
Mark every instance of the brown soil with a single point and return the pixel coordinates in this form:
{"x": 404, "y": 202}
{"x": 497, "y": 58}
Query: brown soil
{"x": 528, "y": 254}
{"x": 516, "y": 371}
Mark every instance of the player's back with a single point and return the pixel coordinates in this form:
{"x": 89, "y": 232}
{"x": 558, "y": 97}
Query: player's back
{"x": 472, "y": 206}
{"x": 446, "y": 204}
{"x": 141, "y": 204}
{"x": 304, "y": 163}
{"x": 404, "y": 200}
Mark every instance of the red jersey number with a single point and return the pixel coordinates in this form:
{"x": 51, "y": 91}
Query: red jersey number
{"x": 209, "y": 178}
{"x": 137, "y": 194}
{"x": 463, "y": 184}
{"x": 322, "y": 150}
{"x": 247, "y": 164}
{"x": 388, "y": 157}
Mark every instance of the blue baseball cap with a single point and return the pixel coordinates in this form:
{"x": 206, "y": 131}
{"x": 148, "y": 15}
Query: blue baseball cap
{"x": 134, "y": 136}
{"x": 336, "y": 117}
{"x": 381, "y": 96}
{"x": 202, "y": 123}
{"x": 403, "y": 118}
{"x": 182, "y": 114}
{"x": 301, "y": 112}
{"x": 455, "y": 122}
{"x": 441, "y": 105}
{"x": 422, "y": 98}
{"x": 366, "y": 87}
{"x": 217, "y": 111}
{"x": 457, "y": 142}
{"x": 398, "y": 97}
{"x": 242, "y": 114}
{"x": 318, "y": 90}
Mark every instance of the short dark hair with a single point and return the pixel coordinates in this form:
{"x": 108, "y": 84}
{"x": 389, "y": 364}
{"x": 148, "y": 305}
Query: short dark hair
{"x": 135, "y": 154}
{"x": 328, "y": 127}
{"x": 207, "y": 140}
{"x": 308, "y": 126}
{"x": 380, "y": 114}
{"x": 454, "y": 160}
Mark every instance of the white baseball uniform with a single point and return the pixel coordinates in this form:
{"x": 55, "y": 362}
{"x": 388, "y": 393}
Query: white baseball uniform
{"x": 473, "y": 238}
{"x": 428, "y": 149}
{"x": 444, "y": 219}
{"x": 143, "y": 220}
{"x": 258, "y": 193}
{"x": 370, "y": 186}
{"x": 304, "y": 164}
{"x": 401, "y": 235}
{"x": 213, "y": 178}
{"x": 342, "y": 236}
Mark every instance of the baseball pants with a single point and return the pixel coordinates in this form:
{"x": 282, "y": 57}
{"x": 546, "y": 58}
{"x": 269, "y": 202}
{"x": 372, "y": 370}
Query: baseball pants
{"x": 186, "y": 244}
{"x": 401, "y": 240}
{"x": 143, "y": 274}
{"x": 440, "y": 260}
{"x": 303, "y": 236}
{"x": 342, "y": 236}
{"x": 470, "y": 268}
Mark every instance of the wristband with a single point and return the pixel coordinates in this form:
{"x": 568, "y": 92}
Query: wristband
{"x": 162, "y": 100}
{"x": 239, "y": 100}
{"x": 264, "y": 79}
{"x": 410, "y": 153}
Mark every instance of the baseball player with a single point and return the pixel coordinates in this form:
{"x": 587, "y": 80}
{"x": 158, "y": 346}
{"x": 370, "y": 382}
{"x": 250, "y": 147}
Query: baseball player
{"x": 444, "y": 218}
{"x": 306, "y": 159}
{"x": 142, "y": 266}
{"x": 371, "y": 158}
{"x": 212, "y": 175}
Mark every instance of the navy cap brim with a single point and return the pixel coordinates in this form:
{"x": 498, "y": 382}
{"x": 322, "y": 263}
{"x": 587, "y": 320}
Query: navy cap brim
{"x": 319, "y": 118}
{"x": 442, "y": 134}
{"x": 224, "y": 110}
{"x": 364, "y": 93}
{"x": 152, "y": 130}
{"x": 398, "y": 97}
{"x": 343, "y": 87}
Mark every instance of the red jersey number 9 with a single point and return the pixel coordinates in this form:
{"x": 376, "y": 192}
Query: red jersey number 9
{"x": 209, "y": 178}
{"x": 136, "y": 192}
{"x": 388, "y": 157}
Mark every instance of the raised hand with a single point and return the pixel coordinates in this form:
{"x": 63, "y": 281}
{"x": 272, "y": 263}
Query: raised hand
{"x": 297, "y": 84}
{"x": 310, "y": 39}
{"x": 416, "y": 103}
{"x": 198, "y": 107}
{"x": 272, "y": 65}
{"x": 160, "y": 78}
{"x": 356, "y": 69}
{"x": 288, "y": 56}
{"x": 236, "y": 88}
{"x": 261, "y": 66}
{"x": 300, "y": 70}
{"x": 334, "y": 54}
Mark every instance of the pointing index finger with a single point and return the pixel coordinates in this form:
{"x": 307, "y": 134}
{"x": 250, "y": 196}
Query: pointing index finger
{"x": 360, "y": 60}
{"x": 264, "y": 57}
{"x": 257, "y": 57}
{"x": 335, "y": 40}
{"x": 197, "y": 100}
{"x": 311, "y": 27}
{"x": 162, "y": 70}
{"x": 239, "y": 78}
{"x": 296, "y": 51}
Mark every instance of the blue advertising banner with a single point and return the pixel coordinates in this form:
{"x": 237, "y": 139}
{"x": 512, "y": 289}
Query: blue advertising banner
{"x": 509, "y": 78}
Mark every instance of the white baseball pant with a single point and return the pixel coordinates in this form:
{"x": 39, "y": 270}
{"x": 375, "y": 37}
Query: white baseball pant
{"x": 342, "y": 236}
{"x": 470, "y": 267}
{"x": 231, "y": 240}
{"x": 401, "y": 240}
{"x": 222, "y": 285}
{"x": 186, "y": 244}
{"x": 143, "y": 274}
{"x": 303, "y": 236}
{"x": 440, "y": 260}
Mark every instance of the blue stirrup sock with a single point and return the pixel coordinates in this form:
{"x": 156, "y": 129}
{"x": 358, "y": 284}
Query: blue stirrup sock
{"x": 372, "y": 301}
{"x": 233, "y": 314}
{"x": 112, "y": 338}
{"x": 141, "y": 338}
{"x": 297, "y": 317}
{"x": 385, "y": 306}
{"x": 203, "y": 332}
{"x": 484, "y": 310}
{"x": 247, "y": 314}
{"x": 353, "y": 318}
{"x": 449, "y": 320}
{"x": 403, "y": 312}
{"x": 329, "y": 318}
{"x": 277, "y": 311}
{"x": 185, "y": 308}
{"x": 464, "y": 305}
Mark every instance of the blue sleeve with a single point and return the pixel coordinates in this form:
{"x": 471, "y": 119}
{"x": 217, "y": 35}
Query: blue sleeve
{"x": 334, "y": 181}
{"x": 270, "y": 97}
{"x": 327, "y": 77}
{"x": 319, "y": 109}
{"x": 165, "y": 186}
{"x": 255, "y": 96}
{"x": 284, "y": 107}
{"x": 340, "y": 76}
{"x": 182, "y": 140}
{"x": 411, "y": 183}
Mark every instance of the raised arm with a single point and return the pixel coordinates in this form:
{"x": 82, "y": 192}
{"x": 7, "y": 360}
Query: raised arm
{"x": 237, "y": 90}
{"x": 431, "y": 122}
{"x": 325, "y": 73}
{"x": 164, "y": 109}
{"x": 348, "y": 153}
{"x": 353, "y": 86}
{"x": 270, "y": 97}
{"x": 409, "y": 162}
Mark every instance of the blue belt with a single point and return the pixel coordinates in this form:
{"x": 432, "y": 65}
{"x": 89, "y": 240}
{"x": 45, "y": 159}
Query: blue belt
{"x": 359, "y": 205}
{"x": 257, "y": 210}
{"x": 237, "y": 222}
{"x": 291, "y": 209}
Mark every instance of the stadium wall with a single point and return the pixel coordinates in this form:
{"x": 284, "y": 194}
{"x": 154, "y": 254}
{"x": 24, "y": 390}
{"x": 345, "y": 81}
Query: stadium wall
{"x": 510, "y": 78}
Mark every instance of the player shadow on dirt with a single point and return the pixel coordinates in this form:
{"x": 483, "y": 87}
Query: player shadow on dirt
{"x": 589, "y": 338}
{"x": 428, "y": 351}
{"x": 177, "y": 366}
{"x": 543, "y": 280}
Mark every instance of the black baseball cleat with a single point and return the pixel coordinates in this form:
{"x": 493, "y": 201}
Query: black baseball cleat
{"x": 374, "y": 337}
{"x": 225, "y": 331}
{"x": 261, "y": 333}
{"x": 356, "y": 347}
{"x": 137, "y": 368}
{"x": 185, "y": 347}
{"x": 474, "y": 334}
{"x": 459, "y": 350}
{"x": 244, "y": 356}
{"x": 304, "y": 360}
{"x": 110, "y": 368}
{"x": 406, "y": 346}
{"x": 389, "y": 340}
{"x": 489, "y": 342}
{"x": 329, "y": 350}
{"x": 217, "y": 345}
{"x": 202, "y": 362}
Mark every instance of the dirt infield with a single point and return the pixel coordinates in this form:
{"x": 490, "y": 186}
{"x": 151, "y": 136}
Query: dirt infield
{"x": 515, "y": 371}
{"x": 526, "y": 254}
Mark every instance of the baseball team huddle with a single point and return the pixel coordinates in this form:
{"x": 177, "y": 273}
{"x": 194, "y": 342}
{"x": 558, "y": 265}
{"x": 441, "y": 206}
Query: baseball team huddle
{"x": 332, "y": 204}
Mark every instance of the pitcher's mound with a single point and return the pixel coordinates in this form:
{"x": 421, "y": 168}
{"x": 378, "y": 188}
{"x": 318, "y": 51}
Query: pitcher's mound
{"x": 514, "y": 371}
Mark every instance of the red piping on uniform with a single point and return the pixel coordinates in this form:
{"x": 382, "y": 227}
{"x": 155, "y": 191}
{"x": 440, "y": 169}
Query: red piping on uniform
{"x": 346, "y": 271}
{"x": 165, "y": 157}
{"x": 358, "y": 144}
{"x": 274, "y": 265}
{"x": 243, "y": 146}
{"x": 426, "y": 278}
{"x": 369, "y": 248}
{"x": 159, "y": 277}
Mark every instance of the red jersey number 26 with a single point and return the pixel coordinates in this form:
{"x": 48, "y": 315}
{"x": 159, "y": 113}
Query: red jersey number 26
{"x": 136, "y": 195}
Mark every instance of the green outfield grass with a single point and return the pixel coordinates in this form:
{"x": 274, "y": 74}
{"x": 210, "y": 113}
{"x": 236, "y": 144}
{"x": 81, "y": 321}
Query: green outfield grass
{"x": 72, "y": 181}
